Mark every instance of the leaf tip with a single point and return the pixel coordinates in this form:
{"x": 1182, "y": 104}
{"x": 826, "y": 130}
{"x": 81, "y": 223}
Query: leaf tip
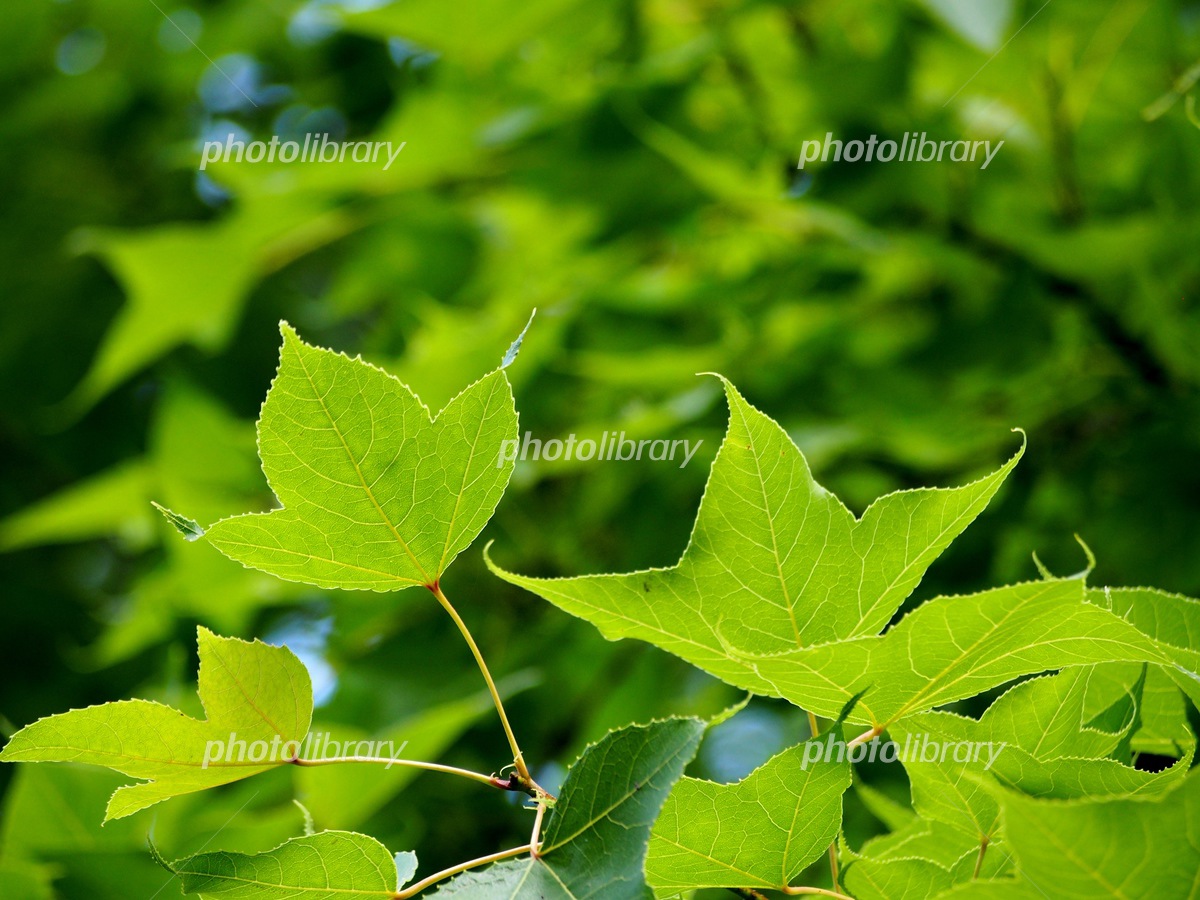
{"x": 515, "y": 347}
{"x": 1087, "y": 552}
{"x": 487, "y": 558}
{"x": 189, "y": 528}
{"x": 310, "y": 827}
{"x": 729, "y": 712}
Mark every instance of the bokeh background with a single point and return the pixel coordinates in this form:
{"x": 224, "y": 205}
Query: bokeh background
{"x": 629, "y": 168}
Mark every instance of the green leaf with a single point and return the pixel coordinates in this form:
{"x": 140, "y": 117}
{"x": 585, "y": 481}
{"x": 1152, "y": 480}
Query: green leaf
{"x": 594, "y": 842}
{"x": 890, "y": 879}
{"x": 955, "y": 647}
{"x": 890, "y": 812}
{"x": 781, "y": 592}
{"x": 111, "y": 502}
{"x": 251, "y": 692}
{"x": 186, "y": 282}
{"x": 759, "y": 833}
{"x": 189, "y": 528}
{"x": 53, "y": 810}
{"x": 376, "y": 494}
{"x": 775, "y": 561}
{"x": 1042, "y": 737}
{"x": 1171, "y": 620}
{"x": 332, "y": 865}
{"x": 1086, "y": 849}
{"x": 920, "y": 860}
{"x": 1163, "y": 728}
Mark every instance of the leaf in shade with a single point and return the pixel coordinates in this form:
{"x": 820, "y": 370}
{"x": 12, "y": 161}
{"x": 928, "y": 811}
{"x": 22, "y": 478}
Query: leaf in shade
{"x": 594, "y": 842}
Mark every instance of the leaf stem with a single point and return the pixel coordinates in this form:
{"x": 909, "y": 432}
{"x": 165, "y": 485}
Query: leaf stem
{"x": 518, "y": 758}
{"x": 490, "y": 780}
{"x": 866, "y": 736}
{"x": 413, "y": 890}
{"x": 535, "y": 842}
{"x": 821, "y": 892}
{"x": 814, "y": 728}
{"x": 983, "y": 845}
{"x": 833, "y": 866}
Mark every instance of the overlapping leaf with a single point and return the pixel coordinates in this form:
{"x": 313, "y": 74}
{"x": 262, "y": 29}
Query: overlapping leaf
{"x": 1086, "y": 849}
{"x": 1171, "y": 620}
{"x": 759, "y": 833}
{"x": 1061, "y": 736}
{"x": 594, "y": 842}
{"x": 376, "y": 494}
{"x": 956, "y": 647}
{"x": 250, "y": 691}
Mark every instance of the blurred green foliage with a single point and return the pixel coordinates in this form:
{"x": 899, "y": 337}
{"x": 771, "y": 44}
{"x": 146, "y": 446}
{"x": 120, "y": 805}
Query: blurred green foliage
{"x": 629, "y": 168}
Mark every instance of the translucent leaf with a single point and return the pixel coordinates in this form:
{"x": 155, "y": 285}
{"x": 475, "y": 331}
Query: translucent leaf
{"x": 889, "y": 879}
{"x": 376, "y": 494}
{"x": 782, "y": 591}
{"x": 776, "y": 562}
{"x": 1041, "y": 737}
{"x": 252, "y": 692}
{"x": 759, "y": 833}
{"x": 1086, "y": 849}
